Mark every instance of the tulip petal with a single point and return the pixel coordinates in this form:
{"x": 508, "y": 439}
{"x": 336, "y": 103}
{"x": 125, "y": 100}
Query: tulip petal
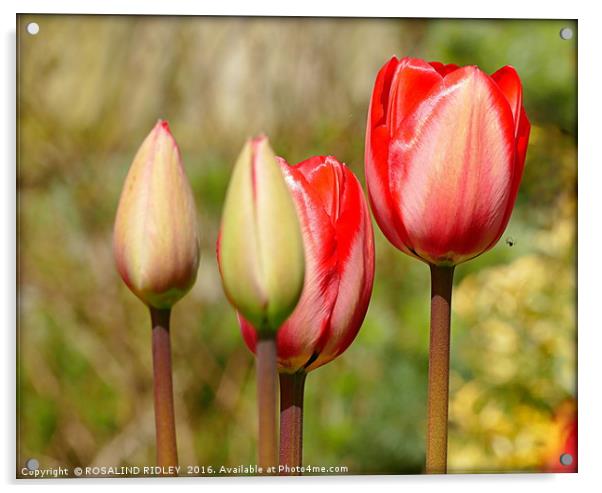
{"x": 414, "y": 76}
{"x": 412, "y": 81}
{"x": 443, "y": 68}
{"x": 278, "y": 225}
{"x": 355, "y": 265}
{"x": 377, "y": 114}
{"x": 299, "y": 337}
{"x": 522, "y": 140}
{"x": 324, "y": 176}
{"x": 509, "y": 83}
{"x": 377, "y": 150}
{"x": 455, "y": 156}
{"x": 241, "y": 274}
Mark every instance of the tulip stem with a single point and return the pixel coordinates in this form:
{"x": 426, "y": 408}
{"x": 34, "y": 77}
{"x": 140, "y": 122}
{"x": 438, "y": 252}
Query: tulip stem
{"x": 292, "y": 386}
{"x": 167, "y": 454}
{"x": 438, "y": 379}
{"x": 266, "y": 400}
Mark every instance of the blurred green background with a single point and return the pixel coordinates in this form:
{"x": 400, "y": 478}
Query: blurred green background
{"x": 92, "y": 87}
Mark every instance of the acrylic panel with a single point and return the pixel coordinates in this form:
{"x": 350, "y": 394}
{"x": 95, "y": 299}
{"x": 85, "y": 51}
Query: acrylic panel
{"x": 310, "y": 255}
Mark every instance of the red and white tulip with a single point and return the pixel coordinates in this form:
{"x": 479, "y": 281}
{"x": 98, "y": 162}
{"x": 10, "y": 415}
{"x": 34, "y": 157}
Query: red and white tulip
{"x": 339, "y": 253}
{"x": 445, "y": 150}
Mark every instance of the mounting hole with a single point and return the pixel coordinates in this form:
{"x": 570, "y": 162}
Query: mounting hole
{"x": 32, "y": 464}
{"x": 566, "y": 33}
{"x": 33, "y": 28}
{"x": 566, "y": 459}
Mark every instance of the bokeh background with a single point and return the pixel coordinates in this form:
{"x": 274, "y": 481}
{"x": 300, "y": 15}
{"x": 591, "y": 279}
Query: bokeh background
{"x": 90, "y": 88}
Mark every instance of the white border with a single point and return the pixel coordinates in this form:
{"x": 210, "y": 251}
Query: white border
{"x": 590, "y": 247}
{"x": 374, "y": 8}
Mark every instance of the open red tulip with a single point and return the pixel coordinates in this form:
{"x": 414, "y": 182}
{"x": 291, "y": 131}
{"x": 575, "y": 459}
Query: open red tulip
{"x": 445, "y": 150}
{"x": 339, "y": 257}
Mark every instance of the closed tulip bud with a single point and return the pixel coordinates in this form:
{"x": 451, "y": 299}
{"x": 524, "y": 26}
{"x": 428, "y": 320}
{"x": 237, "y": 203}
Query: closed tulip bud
{"x": 445, "y": 150}
{"x": 339, "y": 252}
{"x": 260, "y": 249}
{"x": 155, "y": 238}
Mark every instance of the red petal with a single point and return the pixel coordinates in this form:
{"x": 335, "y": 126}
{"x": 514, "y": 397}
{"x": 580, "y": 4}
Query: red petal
{"x": 324, "y": 175}
{"x": 355, "y": 266}
{"x": 451, "y": 167}
{"x": 412, "y": 81}
{"x": 522, "y": 140}
{"x": 377, "y": 150}
{"x": 444, "y": 69}
{"x": 414, "y": 73}
{"x": 509, "y": 83}
{"x": 299, "y": 337}
{"x": 380, "y": 94}
{"x": 249, "y": 334}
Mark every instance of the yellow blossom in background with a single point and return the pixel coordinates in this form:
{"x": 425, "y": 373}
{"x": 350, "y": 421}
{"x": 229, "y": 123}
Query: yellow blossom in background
{"x": 520, "y": 321}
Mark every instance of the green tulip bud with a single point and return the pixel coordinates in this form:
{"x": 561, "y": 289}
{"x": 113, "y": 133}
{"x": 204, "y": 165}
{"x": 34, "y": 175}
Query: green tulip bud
{"x": 260, "y": 250}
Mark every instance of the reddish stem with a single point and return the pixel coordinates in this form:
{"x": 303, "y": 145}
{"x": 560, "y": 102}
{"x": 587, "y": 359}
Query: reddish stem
{"x": 167, "y": 454}
{"x": 266, "y": 401}
{"x": 438, "y": 386}
{"x": 292, "y": 387}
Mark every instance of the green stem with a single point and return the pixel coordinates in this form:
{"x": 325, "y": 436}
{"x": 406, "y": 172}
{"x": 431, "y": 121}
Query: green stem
{"x": 167, "y": 454}
{"x": 292, "y": 386}
{"x": 438, "y": 386}
{"x": 266, "y": 400}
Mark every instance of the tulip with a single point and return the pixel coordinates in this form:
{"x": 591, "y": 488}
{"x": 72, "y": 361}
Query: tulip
{"x": 445, "y": 151}
{"x": 155, "y": 239}
{"x": 339, "y": 252}
{"x": 156, "y": 249}
{"x": 262, "y": 265}
{"x": 260, "y": 248}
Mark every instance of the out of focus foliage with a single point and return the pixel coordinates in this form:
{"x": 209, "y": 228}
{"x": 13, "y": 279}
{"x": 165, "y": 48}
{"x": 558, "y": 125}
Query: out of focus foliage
{"x": 90, "y": 89}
